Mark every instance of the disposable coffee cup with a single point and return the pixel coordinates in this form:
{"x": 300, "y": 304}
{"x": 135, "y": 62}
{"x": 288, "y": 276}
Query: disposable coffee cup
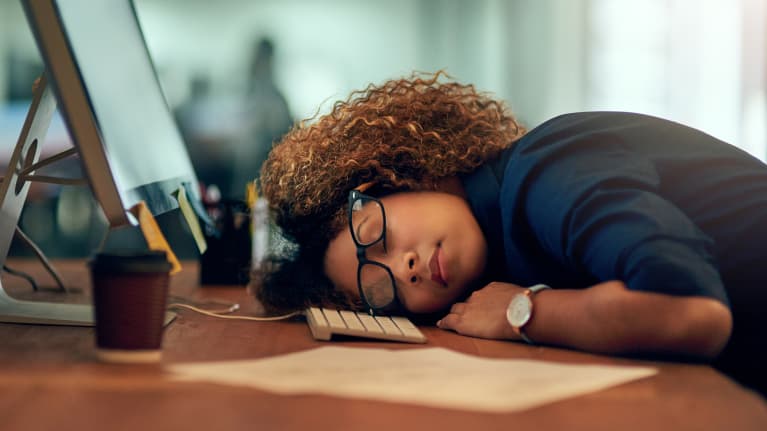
{"x": 130, "y": 294}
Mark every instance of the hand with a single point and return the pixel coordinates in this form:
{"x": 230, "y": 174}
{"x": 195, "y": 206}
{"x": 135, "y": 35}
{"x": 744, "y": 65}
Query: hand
{"x": 484, "y": 313}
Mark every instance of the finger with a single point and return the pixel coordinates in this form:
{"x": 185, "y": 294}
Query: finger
{"x": 448, "y": 322}
{"x": 458, "y": 308}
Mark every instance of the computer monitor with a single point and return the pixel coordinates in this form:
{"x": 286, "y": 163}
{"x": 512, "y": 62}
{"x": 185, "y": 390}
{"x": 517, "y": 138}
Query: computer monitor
{"x": 108, "y": 93}
{"x": 111, "y": 100}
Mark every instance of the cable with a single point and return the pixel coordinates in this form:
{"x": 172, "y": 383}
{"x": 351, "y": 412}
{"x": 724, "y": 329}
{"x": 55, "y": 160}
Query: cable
{"x": 23, "y": 275}
{"x": 44, "y": 260}
{"x": 224, "y": 316}
{"x": 228, "y": 307}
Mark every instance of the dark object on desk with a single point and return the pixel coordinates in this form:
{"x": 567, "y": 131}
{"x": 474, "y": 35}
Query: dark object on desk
{"x": 227, "y": 259}
{"x": 130, "y": 295}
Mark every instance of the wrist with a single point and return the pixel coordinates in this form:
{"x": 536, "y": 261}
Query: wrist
{"x": 520, "y": 311}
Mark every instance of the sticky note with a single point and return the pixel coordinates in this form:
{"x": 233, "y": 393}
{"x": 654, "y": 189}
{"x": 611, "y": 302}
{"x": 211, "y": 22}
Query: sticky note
{"x": 251, "y": 194}
{"x": 191, "y": 219}
{"x": 153, "y": 235}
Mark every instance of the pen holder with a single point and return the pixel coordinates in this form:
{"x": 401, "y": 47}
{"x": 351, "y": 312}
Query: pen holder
{"x": 227, "y": 259}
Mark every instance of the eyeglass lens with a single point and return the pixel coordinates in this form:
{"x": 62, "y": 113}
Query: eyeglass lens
{"x": 376, "y": 285}
{"x": 367, "y": 221}
{"x": 368, "y": 231}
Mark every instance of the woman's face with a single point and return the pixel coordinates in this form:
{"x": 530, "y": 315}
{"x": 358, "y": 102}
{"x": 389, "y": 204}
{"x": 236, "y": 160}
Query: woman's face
{"x": 434, "y": 248}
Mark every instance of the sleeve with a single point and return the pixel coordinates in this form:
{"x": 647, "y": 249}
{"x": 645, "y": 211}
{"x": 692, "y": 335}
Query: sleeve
{"x": 601, "y": 211}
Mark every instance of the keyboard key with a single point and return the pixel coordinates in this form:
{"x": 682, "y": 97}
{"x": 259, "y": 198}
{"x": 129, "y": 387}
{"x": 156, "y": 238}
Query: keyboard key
{"x": 318, "y": 325}
{"x": 318, "y": 316}
{"x": 388, "y": 325}
{"x": 351, "y": 320}
{"x": 407, "y": 326}
{"x": 370, "y": 323}
{"x": 334, "y": 319}
{"x": 403, "y": 323}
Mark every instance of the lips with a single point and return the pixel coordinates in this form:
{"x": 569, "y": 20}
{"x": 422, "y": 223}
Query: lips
{"x": 435, "y": 266}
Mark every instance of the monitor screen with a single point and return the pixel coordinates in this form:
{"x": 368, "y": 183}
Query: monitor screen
{"x": 112, "y": 102}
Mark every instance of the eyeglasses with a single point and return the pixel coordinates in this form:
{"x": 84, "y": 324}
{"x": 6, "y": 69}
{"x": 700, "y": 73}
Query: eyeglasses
{"x": 367, "y": 223}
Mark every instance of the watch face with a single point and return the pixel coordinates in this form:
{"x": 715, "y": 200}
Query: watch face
{"x": 519, "y": 310}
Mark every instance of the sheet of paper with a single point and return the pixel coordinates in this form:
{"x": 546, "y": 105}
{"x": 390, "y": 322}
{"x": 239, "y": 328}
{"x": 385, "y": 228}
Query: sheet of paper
{"x": 435, "y": 377}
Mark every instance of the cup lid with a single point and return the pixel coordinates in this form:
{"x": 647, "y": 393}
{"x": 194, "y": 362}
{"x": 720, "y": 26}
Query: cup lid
{"x": 150, "y": 261}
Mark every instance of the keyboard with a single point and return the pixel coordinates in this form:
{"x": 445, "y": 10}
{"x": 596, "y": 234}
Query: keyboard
{"x": 326, "y": 322}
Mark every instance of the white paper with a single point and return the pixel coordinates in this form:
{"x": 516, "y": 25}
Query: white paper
{"x": 435, "y": 377}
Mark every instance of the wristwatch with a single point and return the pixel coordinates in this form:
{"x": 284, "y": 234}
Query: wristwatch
{"x": 520, "y": 310}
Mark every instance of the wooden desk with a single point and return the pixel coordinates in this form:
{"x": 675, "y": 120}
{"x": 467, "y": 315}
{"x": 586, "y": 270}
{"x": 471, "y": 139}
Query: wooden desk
{"x": 49, "y": 379}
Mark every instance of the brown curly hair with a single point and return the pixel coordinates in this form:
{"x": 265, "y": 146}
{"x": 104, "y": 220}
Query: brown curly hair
{"x": 405, "y": 134}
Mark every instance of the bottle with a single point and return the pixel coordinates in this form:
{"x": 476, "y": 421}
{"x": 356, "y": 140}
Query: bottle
{"x": 259, "y": 219}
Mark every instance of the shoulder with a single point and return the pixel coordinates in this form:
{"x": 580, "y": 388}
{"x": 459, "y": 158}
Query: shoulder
{"x": 579, "y": 126}
{"x": 599, "y": 119}
{"x": 597, "y": 129}
{"x": 583, "y": 145}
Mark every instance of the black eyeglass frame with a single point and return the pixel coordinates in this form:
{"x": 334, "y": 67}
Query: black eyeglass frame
{"x": 362, "y": 260}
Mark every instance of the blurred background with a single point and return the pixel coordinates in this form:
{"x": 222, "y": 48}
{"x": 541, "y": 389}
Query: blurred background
{"x": 237, "y": 73}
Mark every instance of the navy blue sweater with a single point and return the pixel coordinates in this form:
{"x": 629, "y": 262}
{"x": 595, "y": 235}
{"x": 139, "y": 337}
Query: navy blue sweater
{"x": 596, "y": 196}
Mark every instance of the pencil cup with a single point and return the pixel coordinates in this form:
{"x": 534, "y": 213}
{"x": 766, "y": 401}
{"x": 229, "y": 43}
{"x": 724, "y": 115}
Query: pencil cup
{"x": 130, "y": 294}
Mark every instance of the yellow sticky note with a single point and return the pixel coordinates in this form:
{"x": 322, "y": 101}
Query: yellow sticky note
{"x": 191, "y": 219}
{"x": 153, "y": 235}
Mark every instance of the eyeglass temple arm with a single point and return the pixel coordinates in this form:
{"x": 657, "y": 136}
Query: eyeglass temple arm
{"x": 364, "y": 186}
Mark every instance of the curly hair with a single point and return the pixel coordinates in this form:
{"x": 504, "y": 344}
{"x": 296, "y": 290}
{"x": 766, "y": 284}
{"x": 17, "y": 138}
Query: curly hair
{"x": 405, "y": 134}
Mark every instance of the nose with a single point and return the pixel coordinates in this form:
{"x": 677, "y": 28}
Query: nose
{"x": 409, "y": 269}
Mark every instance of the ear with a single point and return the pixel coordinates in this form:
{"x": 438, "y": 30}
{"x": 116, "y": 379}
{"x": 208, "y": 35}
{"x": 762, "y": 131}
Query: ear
{"x": 451, "y": 185}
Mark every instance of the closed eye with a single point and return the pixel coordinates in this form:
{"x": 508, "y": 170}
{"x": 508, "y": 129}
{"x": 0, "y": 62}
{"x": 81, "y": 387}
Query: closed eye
{"x": 359, "y": 227}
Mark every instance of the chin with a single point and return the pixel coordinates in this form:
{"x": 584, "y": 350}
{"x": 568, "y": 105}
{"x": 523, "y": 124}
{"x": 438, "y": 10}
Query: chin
{"x": 426, "y": 308}
{"x": 438, "y": 304}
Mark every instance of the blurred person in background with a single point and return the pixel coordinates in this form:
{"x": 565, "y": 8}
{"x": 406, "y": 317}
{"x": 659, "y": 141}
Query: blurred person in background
{"x": 266, "y": 118}
{"x": 229, "y": 136}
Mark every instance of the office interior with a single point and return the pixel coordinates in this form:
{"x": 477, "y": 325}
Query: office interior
{"x": 699, "y": 62}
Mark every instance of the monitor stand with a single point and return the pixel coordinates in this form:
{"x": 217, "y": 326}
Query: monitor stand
{"x": 44, "y": 313}
{"x": 13, "y": 193}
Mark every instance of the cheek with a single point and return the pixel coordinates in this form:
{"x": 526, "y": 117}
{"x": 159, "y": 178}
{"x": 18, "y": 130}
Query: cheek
{"x": 349, "y": 285}
{"x": 346, "y": 281}
{"x": 340, "y": 264}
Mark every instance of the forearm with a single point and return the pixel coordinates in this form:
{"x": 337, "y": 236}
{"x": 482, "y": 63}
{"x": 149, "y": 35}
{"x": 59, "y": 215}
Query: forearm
{"x": 609, "y": 318}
